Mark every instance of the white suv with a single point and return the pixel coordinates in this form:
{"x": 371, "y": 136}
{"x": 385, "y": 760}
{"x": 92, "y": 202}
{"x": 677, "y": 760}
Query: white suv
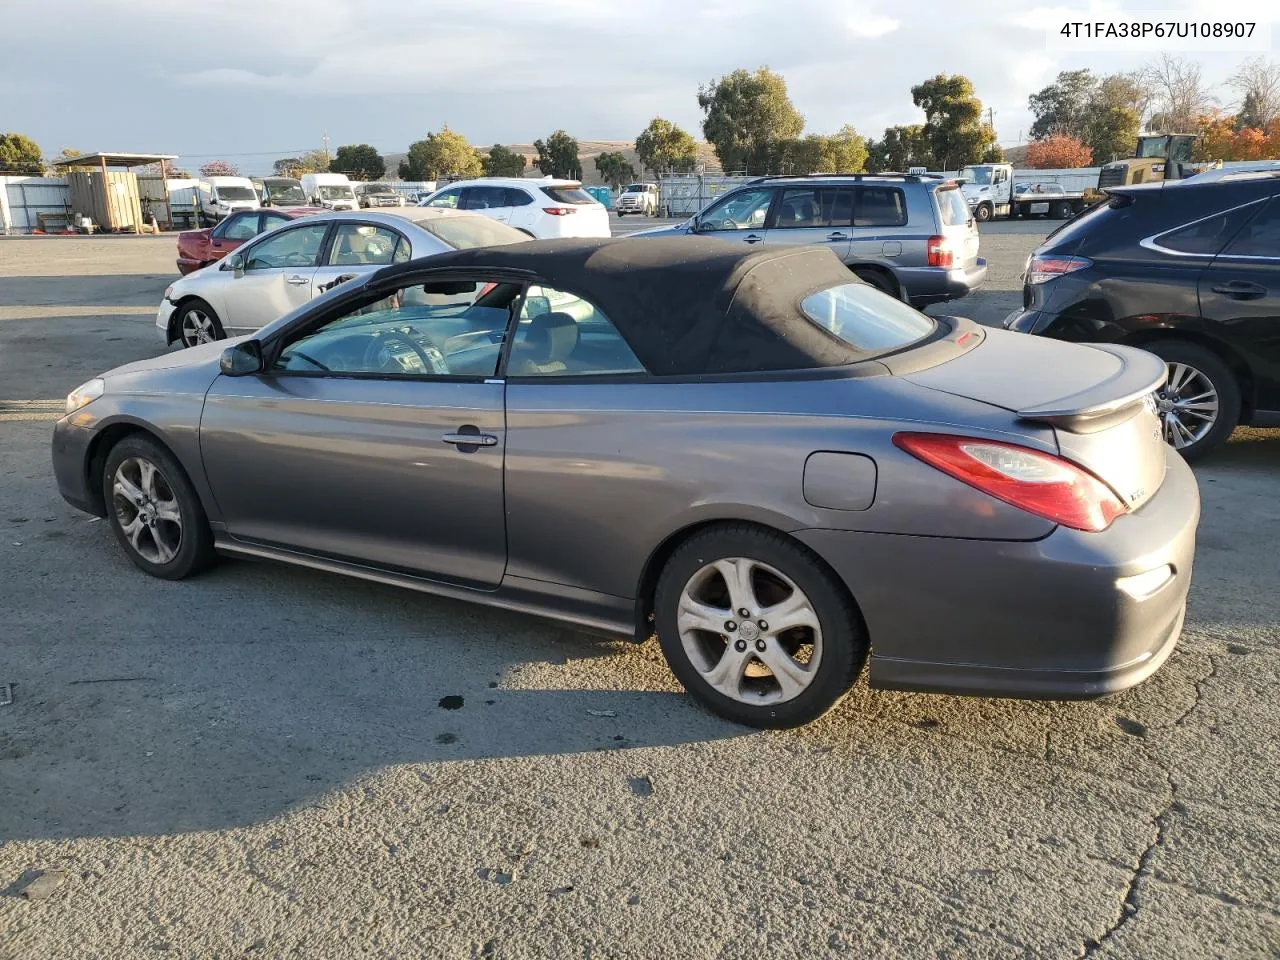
{"x": 639, "y": 198}
{"x": 544, "y": 209}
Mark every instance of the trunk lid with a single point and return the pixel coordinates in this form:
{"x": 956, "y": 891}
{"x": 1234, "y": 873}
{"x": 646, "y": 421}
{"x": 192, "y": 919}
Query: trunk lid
{"x": 1097, "y": 399}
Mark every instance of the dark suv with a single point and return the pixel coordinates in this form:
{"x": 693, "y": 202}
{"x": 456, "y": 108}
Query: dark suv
{"x": 911, "y": 236}
{"x": 1189, "y": 270}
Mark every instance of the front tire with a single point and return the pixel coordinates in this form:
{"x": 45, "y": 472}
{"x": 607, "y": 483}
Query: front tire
{"x": 198, "y": 323}
{"x": 983, "y": 213}
{"x": 756, "y": 628}
{"x": 154, "y": 511}
{"x": 1199, "y": 405}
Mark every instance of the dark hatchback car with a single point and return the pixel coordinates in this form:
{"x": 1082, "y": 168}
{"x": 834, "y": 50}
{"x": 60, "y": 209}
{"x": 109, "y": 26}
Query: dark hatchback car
{"x": 1189, "y": 270}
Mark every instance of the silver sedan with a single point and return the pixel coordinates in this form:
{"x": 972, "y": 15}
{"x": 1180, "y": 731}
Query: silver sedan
{"x": 282, "y": 269}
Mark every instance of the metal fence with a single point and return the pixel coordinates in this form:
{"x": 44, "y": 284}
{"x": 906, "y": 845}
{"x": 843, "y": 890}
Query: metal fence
{"x": 23, "y": 199}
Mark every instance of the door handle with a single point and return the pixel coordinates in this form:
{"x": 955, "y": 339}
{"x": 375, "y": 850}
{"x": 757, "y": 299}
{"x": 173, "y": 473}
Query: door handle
{"x": 752, "y": 238}
{"x": 297, "y": 280}
{"x": 837, "y": 236}
{"x": 470, "y": 439}
{"x": 1241, "y": 289}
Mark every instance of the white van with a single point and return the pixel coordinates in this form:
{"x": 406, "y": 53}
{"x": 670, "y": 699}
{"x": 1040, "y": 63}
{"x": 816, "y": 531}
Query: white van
{"x": 333, "y": 191}
{"x": 222, "y": 196}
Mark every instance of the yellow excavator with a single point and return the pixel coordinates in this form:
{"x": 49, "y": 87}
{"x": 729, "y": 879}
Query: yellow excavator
{"x": 1166, "y": 156}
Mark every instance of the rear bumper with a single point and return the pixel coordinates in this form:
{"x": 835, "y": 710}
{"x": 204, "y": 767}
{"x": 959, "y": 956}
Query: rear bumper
{"x": 1041, "y": 619}
{"x": 926, "y": 285}
{"x": 186, "y": 265}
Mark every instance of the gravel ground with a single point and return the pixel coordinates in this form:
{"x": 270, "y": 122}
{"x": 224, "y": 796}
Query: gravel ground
{"x": 278, "y": 763}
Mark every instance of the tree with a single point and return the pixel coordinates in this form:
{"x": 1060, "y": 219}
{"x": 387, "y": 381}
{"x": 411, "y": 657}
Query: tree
{"x": 441, "y": 154}
{"x": 993, "y": 154}
{"x": 1064, "y": 105}
{"x": 19, "y": 154}
{"x": 287, "y": 166}
{"x": 953, "y": 120}
{"x": 315, "y": 161}
{"x": 842, "y": 152}
{"x": 1179, "y": 94}
{"x": 747, "y": 116}
{"x": 1258, "y": 80}
{"x": 615, "y": 169}
{"x": 663, "y": 146}
{"x": 358, "y": 161}
{"x": 219, "y": 168}
{"x": 558, "y": 156}
{"x": 900, "y": 149}
{"x": 1115, "y": 116}
{"x": 1058, "y": 152}
{"x": 501, "y": 161}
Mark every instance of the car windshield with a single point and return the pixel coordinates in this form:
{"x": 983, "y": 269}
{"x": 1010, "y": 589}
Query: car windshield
{"x": 336, "y": 192}
{"x": 378, "y": 188}
{"x": 286, "y": 191}
{"x": 236, "y": 193}
{"x": 634, "y": 188}
{"x": 865, "y": 318}
{"x": 463, "y": 233}
{"x": 568, "y": 195}
{"x": 978, "y": 175}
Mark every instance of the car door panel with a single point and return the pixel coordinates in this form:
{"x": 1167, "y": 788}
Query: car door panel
{"x": 812, "y": 216}
{"x": 360, "y": 469}
{"x": 276, "y": 277}
{"x": 740, "y": 217}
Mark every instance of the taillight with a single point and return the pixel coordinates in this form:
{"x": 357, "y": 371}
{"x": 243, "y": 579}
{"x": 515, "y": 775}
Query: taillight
{"x": 940, "y": 252}
{"x": 1039, "y": 483}
{"x": 558, "y": 211}
{"x": 1043, "y": 268}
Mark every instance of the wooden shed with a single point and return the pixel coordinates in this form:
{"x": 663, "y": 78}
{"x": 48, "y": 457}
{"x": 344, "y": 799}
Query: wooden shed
{"x": 109, "y": 197}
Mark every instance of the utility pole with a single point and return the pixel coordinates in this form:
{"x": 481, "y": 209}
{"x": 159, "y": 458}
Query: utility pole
{"x": 325, "y": 136}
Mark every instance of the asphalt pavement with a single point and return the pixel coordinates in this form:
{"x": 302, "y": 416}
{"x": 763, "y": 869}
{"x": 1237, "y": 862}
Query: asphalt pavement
{"x": 273, "y": 762}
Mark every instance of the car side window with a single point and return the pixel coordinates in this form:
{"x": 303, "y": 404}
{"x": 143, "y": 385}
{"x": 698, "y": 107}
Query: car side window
{"x": 242, "y": 228}
{"x": 880, "y": 207}
{"x": 448, "y": 199}
{"x": 1206, "y": 237}
{"x": 518, "y": 198}
{"x": 813, "y": 207}
{"x": 560, "y": 334}
{"x": 360, "y": 244}
{"x": 299, "y": 247}
{"x": 444, "y": 328}
{"x": 1260, "y": 237}
{"x": 485, "y": 198}
{"x": 272, "y": 220}
{"x": 742, "y": 210}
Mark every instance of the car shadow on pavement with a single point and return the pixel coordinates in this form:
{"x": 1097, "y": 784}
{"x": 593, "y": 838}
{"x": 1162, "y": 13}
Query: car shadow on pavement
{"x": 121, "y": 290}
{"x": 305, "y": 684}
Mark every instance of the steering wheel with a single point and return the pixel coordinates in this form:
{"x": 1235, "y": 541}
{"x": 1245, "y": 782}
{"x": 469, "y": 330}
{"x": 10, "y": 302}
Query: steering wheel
{"x": 388, "y": 343}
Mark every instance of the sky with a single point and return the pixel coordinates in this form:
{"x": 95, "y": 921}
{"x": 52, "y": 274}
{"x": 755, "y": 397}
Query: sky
{"x": 254, "y": 80}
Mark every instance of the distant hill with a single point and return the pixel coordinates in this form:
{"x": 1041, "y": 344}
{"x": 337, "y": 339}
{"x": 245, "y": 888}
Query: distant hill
{"x": 588, "y": 150}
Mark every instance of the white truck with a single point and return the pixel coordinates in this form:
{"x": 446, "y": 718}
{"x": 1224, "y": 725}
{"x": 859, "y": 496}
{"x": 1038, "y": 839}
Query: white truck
{"x": 333, "y": 191}
{"x": 990, "y": 191}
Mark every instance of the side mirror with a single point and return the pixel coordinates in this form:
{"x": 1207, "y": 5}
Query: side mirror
{"x": 237, "y": 265}
{"x": 242, "y": 359}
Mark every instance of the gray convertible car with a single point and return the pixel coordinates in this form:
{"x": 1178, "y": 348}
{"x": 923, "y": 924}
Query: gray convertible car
{"x": 771, "y": 465}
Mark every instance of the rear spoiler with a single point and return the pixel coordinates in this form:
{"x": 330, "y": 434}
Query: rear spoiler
{"x": 1102, "y": 404}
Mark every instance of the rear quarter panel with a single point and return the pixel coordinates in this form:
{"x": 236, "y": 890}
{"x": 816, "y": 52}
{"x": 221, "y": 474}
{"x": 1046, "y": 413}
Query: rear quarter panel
{"x": 599, "y": 475}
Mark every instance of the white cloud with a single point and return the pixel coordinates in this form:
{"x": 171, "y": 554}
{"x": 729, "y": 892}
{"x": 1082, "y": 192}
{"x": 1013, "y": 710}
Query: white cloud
{"x": 870, "y": 26}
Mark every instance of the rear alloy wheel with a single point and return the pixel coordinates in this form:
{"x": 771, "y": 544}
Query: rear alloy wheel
{"x": 197, "y": 323}
{"x": 756, "y": 628}
{"x": 154, "y": 511}
{"x": 1199, "y": 405}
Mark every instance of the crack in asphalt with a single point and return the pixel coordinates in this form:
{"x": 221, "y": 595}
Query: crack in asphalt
{"x": 1199, "y": 688}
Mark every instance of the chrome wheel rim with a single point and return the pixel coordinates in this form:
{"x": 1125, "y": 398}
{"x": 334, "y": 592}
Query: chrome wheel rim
{"x": 1187, "y": 405}
{"x": 147, "y": 510}
{"x": 750, "y": 631}
{"x": 197, "y": 327}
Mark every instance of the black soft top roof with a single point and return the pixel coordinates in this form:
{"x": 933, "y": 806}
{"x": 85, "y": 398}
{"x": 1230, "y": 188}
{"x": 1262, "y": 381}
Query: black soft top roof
{"x": 685, "y": 305}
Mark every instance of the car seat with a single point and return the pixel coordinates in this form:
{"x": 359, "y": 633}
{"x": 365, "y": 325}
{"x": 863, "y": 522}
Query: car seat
{"x": 546, "y": 349}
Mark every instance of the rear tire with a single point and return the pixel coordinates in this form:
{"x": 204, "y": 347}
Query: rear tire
{"x": 878, "y": 280}
{"x": 154, "y": 511}
{"x": 740, "y": 667}
{"x": 1062, "y": 211}
{"x": 1194, "y": 373}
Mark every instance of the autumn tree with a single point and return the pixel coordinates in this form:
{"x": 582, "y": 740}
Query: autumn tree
{"x": 746, "y": 116}
{"x": 1058, "y": 152}
{"x": 446, "y": 153}
{"x": 614, "y": 168}
{"x": 663, "y": 146}
{"x": 953, "y": 120}
{"x": 219, "y": 168}
{"x": 359, "y": 161}
{"x": 19, "y": 154}
{"x": 1179, "y": 93}
{"x": 558, "y": 156}
{"x": 502, "y": 161}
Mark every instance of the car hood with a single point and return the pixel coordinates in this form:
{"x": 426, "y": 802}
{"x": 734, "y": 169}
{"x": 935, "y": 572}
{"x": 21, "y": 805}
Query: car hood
{"x": 679, "y": 230}
{"x": 195, "y": 359}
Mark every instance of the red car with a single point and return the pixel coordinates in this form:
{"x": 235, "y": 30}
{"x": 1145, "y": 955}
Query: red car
{"x": 199, "y": 248}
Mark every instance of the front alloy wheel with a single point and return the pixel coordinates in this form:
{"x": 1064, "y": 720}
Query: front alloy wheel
{"x": 147, "y": 510}
{"x": 197, "y": 327}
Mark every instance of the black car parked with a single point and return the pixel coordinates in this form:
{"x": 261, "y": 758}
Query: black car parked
{"x": 1189, "y": 270}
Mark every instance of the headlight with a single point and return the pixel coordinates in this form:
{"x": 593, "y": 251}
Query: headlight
{"x": 167, "y": 290}
{"x": 85, "y": 394}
